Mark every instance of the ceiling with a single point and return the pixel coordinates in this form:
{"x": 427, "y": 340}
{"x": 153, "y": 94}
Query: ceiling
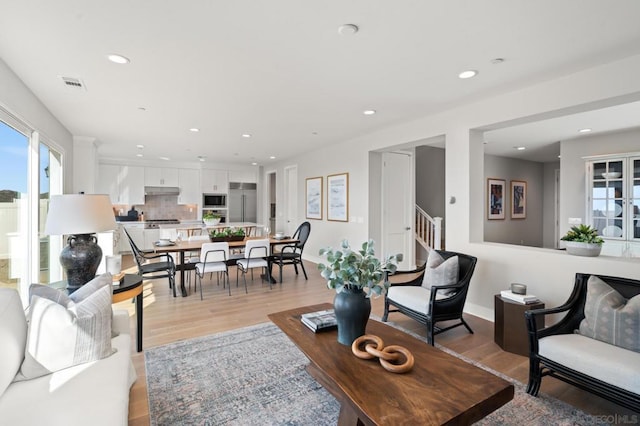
{"x": 281, "y": 71}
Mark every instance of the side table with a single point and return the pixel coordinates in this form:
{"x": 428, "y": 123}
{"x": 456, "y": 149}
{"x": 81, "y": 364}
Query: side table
{"x": 510, "y": 328}
{"x": 130, "y": 286}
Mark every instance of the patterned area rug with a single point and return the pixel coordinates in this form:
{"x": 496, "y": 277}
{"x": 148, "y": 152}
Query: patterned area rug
{"x": 256, "y": 376}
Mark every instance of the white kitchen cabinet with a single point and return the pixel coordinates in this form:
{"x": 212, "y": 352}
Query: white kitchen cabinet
{"x": 150, "y": 236}
{"x": 243, "y": 176}
{"x": 136, "y": 231}
{"x": 189, "y": 182}
{"x": 124, "y": 184}
{"x": 215, "y": 181}
{"x": 161, "y": 176}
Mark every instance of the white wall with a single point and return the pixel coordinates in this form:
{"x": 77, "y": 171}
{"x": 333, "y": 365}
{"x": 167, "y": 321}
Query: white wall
{"x": 548, "y": 273}
{"x": 18, "y": 100}
{"x": 549, "y": 206}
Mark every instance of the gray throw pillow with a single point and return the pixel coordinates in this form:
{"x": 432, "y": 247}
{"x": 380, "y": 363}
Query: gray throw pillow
{"x": 440, "y": 272}
{"x": 62, "y": 333}
{"x": 609, "y": 317}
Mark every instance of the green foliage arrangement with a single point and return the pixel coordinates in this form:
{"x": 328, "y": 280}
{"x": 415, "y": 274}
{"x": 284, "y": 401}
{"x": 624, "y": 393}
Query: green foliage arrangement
{"x": 349, "y": 269}
{"x": 226, "y": 232}
{"x": 583, "y": 234}
{"x": 211, "y": 215}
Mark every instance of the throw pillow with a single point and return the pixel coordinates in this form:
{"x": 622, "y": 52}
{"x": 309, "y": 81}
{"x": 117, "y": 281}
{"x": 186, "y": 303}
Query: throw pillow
{"x": 439, "y": 271}
{"x": 64, "y": 333}
{"x": 609, "y": 317}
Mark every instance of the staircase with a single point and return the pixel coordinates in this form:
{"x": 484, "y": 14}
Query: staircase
{"x": 428, "y": 230}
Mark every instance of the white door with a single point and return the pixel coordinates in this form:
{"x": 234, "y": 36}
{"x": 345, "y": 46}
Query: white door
{"x": 291, "y": 199}
{"x": 397, "y": 206}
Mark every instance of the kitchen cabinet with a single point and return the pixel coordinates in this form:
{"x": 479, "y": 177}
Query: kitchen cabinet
{"x": 136, "y": 231}
{"x": 249, "y": 176}
{"x": 122, "y": 183}
{"x": 161, "y": 176}
{"x": 215, "y": 181}
{"x": 150, "y": 236}
{"x": 189, "y": 182}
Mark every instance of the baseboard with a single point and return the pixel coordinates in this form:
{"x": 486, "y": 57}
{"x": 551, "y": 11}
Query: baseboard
{"x": 479, "y": 311}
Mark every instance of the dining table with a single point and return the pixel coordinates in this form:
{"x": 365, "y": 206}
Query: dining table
{"x": 180, "y": 247}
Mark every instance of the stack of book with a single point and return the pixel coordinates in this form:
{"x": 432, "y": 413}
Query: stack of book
{"x": 320, "y": 320}
{"x": 520, "y": 298}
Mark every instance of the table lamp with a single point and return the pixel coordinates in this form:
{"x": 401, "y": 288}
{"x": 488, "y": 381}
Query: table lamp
{"x": 80, "y": 216}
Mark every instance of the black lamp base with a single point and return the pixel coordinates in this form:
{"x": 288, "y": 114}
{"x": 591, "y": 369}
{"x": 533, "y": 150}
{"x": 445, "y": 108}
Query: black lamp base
{"x": 80, "y": 258}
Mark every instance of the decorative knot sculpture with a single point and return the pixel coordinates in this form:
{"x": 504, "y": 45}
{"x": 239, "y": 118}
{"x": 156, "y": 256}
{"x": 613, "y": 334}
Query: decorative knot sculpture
{"x": 393, "y": 358}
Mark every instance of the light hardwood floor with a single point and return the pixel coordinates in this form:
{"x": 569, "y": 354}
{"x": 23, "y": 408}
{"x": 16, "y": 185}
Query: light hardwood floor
{"x": 168, "y": 319}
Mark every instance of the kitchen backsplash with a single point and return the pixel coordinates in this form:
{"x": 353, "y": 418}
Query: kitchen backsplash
{"x": 163, "y": 207}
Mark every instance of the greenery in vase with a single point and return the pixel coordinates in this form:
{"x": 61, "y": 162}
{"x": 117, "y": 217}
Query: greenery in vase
{"x": 349, "y": 269}
{"x": 226, "y": 232}
{"x": 583, "y": 234}
{"x": 211, "y": 216}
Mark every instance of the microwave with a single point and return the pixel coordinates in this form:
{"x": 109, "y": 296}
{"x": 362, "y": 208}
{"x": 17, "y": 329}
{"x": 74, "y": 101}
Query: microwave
{"x": 214, "y": 201}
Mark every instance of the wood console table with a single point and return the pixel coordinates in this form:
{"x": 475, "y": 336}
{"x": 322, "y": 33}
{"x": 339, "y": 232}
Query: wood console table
{"x": 441, "y": 389}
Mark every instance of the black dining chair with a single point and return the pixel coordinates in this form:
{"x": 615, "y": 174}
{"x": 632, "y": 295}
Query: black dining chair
{"x": 291, "y": 254}
{"x": 165, "y": 268}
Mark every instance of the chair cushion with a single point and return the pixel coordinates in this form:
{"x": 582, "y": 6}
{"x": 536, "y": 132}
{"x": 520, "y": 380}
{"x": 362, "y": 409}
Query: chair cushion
{"x": 610, "y": 317}
{"x": 13, "y": 335}
{"x": 63, "y": 333}
{"x": 413, "y": 297}
{"x": 440, "y": 272}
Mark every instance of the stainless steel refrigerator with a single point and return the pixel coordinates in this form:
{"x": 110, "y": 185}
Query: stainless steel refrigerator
{"x": 242, "y": 202}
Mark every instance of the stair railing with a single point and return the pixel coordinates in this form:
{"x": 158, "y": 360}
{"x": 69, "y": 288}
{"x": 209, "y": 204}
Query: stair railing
{"x": 428, "y": 230}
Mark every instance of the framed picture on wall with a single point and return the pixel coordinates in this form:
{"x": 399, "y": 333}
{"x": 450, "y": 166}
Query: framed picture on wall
{"x": 313, "y": 198}
{"x": 518, "y": 199}
{"x": 338, "y": 197}
{"x": 496, "y": 192}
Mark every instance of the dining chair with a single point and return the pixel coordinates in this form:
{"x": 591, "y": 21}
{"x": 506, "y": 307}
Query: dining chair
{"x": 291, "y": 254}
{"x": 214, "y": 258}
{"x": 191, "y": 258}
{"x": 153, "y": 266}
{"x": 256, "y": 253}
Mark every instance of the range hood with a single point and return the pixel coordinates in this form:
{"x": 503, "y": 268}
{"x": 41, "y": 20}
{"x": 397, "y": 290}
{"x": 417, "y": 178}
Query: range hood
{"x": 161, "y": 190}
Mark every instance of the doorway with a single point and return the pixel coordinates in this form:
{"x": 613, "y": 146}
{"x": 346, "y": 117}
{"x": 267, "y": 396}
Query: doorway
{"x": 271, "y": 209}
{"x": 397, "y": 206}
{"x": 290, "y": 199}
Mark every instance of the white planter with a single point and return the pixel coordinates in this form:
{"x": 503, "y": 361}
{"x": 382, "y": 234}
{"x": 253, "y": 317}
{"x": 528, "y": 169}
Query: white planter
{"x": 211, "y": 222}
{"x": 583, "y": 249}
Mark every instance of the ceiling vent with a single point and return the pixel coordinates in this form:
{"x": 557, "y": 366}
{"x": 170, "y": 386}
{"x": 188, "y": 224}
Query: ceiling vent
{"x": 75, "y": 83}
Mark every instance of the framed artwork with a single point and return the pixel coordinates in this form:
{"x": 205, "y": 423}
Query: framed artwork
{"x": 495, "y": 198}
{"x": 518, "y": 199}
{"x": 314, "y": 198}
{"x": 338, "y": 197}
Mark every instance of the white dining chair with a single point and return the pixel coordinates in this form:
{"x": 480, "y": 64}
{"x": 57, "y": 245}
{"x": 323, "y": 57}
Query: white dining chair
{"x": 214, "y": 258}
{"x": 256, "y": 253}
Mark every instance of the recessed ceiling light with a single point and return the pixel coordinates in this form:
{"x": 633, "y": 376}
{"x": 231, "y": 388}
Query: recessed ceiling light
{"x": 142, "y": 109}
{"x": 314, "y": 133}
{"x": 194, "y": 130}
{"x": 587, "y": 130}
{"x": 468, "y": 74}
{"x": 347, "y": 29}
{"x": 246, "y": 135}
{"x": 369, "y": 111}
{"x": 254, "y": 164}
{"x": 520, "y": 148}
{"x": 164, "y": 158}
{"x": 118, "y": 59}
{"x": 201, "y": 157}
{"x": 497, "y": 61}
{"x": 139, "y": 146}
{"x": 272, "y": 157}
{"x": 139, "y": 155}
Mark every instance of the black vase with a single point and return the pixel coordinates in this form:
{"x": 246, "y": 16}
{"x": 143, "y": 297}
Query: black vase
{"x": 80, "y": 259}
{"x": 352, "y": 309}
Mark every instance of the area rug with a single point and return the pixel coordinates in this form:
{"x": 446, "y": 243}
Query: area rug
{"x": 256, "y": 376}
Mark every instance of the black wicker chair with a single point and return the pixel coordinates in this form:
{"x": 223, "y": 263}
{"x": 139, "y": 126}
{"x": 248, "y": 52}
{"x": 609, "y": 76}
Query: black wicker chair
{"x": 165, "y": 268}
{"x": 573, "y": 310}
{"x": 292, "y": 254}
{"x": 439, "y": 309}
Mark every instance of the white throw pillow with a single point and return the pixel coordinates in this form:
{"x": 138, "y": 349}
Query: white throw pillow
{"x": 439, "y": 271}
{"x": 63, "y": 333}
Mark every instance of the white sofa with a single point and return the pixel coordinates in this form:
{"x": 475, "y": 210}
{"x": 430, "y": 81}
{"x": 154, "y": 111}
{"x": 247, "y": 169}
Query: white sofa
{"x": 95, "y": 393}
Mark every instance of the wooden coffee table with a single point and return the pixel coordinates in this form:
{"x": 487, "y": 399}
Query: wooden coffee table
{"x": 441, "y": 389}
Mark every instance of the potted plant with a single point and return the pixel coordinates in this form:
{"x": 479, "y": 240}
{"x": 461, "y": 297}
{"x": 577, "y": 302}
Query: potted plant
{"x": 583, "y": 240}
{"x": 350, "y": 273}
{"x": 227, "y": 234}
{"x": 211, "y": 219}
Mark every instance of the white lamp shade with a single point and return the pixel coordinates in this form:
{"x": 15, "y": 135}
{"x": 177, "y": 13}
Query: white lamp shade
{"x": 72, "y": 214}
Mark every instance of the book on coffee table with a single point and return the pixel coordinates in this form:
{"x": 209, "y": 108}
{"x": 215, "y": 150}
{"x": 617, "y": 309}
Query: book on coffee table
{"x": 320, "y": 320}
{"x": 520, "y": 298}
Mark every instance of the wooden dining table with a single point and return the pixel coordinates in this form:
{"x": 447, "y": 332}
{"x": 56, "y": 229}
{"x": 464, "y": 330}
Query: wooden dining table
{"x": 182, "y": 247}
